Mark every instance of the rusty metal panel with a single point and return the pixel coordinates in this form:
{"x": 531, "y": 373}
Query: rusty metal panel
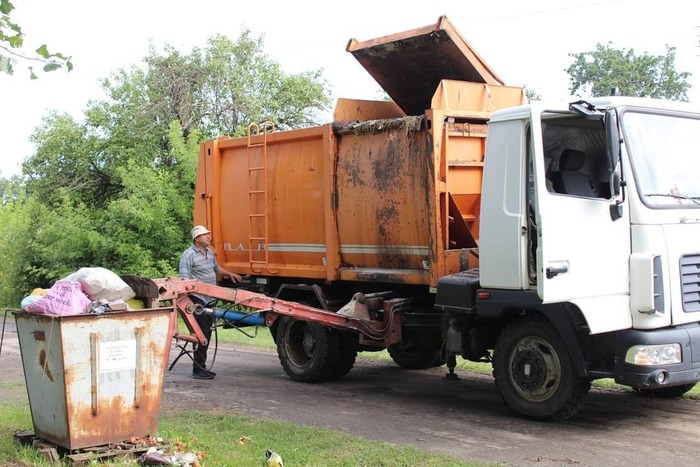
{"x": 410, "y": 65}
{"x": 350, "y": 110}
{"x": 94, "y": 379}
{"x": 385, "y": 183}
{"x": 354, "y": 201}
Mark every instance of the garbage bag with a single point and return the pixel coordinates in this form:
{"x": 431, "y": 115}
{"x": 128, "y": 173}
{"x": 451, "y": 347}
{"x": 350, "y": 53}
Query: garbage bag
{"x": 64, "y": 298}
{"x": 102, "y": 284}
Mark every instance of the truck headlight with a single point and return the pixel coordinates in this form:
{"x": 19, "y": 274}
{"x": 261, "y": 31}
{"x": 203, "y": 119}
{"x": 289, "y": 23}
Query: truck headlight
{"x": 663, "y": 354}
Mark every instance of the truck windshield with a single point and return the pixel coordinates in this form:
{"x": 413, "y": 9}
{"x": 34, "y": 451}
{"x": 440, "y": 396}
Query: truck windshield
{"x": 665, "y": 155}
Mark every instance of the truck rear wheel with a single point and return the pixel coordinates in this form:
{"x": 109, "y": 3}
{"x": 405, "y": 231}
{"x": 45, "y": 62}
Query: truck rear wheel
{"x": 347, "y": 354}
{"x": 307, "y": 351}
{"x": 416, "y": 353}
{"x": 534, "y": 373}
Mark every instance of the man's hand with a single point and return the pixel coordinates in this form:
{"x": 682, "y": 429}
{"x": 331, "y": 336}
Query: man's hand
{"x": 233, "y": 276}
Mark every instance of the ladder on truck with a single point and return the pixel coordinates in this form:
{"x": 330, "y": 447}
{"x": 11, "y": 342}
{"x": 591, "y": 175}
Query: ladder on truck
{"x": 258, "y": 246}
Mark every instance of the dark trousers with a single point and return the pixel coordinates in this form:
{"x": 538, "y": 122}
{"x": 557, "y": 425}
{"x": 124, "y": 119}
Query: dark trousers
{"x": 205, "y": 322}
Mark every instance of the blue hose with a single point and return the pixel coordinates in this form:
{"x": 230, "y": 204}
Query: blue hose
{"x": 239, "y": 318}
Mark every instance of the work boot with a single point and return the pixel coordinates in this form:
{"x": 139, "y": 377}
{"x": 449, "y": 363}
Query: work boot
{"x": 198, "y": 367}
{"x": 199, "y": 373}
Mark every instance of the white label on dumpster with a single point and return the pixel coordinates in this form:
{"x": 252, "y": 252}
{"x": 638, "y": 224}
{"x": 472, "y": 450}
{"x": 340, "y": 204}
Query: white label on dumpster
{"x": 117, "y": 355}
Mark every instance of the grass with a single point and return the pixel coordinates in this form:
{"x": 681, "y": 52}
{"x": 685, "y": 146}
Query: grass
{"x": 261, "y": 337}
{"x": 14, "y": 418}
{"x": 223, "y": 439}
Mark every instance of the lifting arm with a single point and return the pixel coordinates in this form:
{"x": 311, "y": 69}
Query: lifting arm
{"x": 178, "y": 290}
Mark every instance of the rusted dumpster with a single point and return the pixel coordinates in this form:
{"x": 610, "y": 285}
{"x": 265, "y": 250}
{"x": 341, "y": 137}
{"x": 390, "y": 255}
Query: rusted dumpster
{"x": 94, "y": 379}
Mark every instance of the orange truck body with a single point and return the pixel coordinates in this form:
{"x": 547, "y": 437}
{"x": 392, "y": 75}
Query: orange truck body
{"x": 386, "y": 193}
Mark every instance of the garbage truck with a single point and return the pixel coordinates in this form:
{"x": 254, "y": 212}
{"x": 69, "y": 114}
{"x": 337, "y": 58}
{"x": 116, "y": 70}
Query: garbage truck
{"x": 559, "y": 243}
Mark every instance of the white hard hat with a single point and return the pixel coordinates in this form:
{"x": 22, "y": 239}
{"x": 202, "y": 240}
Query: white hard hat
{"x": 199, "y": 230}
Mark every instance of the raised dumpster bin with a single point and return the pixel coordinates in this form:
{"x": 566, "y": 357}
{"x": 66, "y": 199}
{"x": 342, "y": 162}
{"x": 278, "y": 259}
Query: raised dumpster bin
{"x": 94, "y": 379}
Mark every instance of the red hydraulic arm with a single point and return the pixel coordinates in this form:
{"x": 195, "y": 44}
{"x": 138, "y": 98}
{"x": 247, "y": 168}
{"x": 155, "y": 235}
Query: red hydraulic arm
{"x": 353, "y": 317}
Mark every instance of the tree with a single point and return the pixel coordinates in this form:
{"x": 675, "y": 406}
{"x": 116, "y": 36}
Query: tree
{"x": 14, "y": 222}
{"x": 531, "y": 94}
{"x": 213, "y": 91}
{"x": 116, "y": 188}
{"x": 141, "y": 230}
{"x": 597, "y": 72}
{"x": 11, "y": 47}
{"x": 68, "y": 160}
{"x": 227, "y": 85}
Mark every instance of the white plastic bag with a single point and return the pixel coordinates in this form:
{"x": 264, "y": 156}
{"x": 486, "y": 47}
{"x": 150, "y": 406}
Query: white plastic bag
{"x": 102, "y": 284}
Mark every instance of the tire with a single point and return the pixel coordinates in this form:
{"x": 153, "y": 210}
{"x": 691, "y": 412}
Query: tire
{"x": 534, "y": 373}
{"x": 670, "y": 392}
{"x": 347, "y": 354}
{"x": 415, "y": 354}
{"x": 307, "y": 351}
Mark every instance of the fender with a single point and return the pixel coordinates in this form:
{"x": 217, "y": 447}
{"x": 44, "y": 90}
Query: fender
{"x": 567, "y": 319}
{"x": 303, "y": 293}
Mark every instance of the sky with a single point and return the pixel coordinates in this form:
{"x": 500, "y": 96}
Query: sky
{"x": 525, "y": 43}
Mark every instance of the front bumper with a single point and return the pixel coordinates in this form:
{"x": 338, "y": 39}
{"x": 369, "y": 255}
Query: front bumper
{"x": 643, "y": 376}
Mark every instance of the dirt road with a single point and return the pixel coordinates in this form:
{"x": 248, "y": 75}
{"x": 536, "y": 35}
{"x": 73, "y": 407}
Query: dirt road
{"x": 465, "y": 418}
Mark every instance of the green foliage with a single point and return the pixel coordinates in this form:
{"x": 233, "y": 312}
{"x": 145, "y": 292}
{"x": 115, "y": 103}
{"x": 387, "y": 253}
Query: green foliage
{"x": 115, "y": 190}
{"x": 140, "y": 228}
{"x": 14, "y": 222}
{"x": 12, "y": 43}
{"x": 56, "y": 241}
{"x": 597, "y": 72}
{"x": 531, "y": 94}
{"x": 42, "y": 243}
{"x": 226, "y": 86}
{"x": 67, "y": 160}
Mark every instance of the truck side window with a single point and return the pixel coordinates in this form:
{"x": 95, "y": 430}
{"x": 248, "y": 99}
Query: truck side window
{"x": 569, "y": 179}
{"x": 575, "y": 158}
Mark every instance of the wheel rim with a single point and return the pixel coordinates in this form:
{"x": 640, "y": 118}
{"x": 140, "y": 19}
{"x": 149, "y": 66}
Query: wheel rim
{"x": 301, "y": 344}
{"x": 535, "y": 369}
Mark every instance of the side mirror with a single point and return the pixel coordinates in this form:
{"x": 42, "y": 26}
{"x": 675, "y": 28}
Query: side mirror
{"x": 616, "y": 211}
{"x": 612, "y": 148}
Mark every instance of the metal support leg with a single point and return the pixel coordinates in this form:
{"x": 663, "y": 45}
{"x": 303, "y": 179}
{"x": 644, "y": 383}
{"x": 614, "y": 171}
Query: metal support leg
{"x": 183, "y": 351}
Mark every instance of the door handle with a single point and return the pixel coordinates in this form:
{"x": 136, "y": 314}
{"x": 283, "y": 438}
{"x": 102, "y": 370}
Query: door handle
{"x": 553, "y": 271}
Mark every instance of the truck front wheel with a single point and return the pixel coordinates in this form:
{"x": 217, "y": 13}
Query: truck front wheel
{"x": 307, "y": 351}
{"x": 534, "y": 373}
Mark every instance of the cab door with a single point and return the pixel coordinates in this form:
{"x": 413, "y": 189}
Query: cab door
{"x": 581, "y": 251}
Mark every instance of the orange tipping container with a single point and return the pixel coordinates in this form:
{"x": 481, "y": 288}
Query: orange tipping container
{"x": 384, "y": 194}
{"x": 392, "y": 200}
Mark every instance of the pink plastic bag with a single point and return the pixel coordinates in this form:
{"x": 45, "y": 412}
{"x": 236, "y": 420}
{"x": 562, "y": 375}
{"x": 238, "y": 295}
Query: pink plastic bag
{"x": 64, "y": 298}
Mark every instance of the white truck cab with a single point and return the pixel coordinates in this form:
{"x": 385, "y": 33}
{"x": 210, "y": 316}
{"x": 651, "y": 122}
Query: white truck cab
{"x": 589, "y": 251}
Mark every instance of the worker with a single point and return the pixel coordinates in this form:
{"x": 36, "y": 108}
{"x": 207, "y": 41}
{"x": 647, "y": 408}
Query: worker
{"x": 199, "y": 262}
